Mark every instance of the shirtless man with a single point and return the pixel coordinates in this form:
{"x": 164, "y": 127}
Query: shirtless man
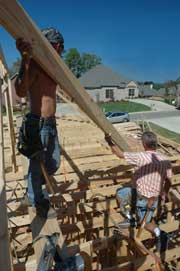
{"x": 40, "y": 123}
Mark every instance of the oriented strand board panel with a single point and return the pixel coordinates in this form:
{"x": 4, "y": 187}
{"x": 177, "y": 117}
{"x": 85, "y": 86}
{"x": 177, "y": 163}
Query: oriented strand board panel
{"x": 18, "y": 24}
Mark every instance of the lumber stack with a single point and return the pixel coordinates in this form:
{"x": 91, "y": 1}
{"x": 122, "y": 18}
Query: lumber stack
{"x": 85, "y": 202}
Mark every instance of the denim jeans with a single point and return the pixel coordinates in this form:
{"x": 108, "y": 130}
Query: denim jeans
{"x": 50, "y": 156}
{"x": 125, "y": 196}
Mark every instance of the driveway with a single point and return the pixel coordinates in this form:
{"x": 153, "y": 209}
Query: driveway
{"x": 155, "y": 105}
{"x": 170, "y": 123}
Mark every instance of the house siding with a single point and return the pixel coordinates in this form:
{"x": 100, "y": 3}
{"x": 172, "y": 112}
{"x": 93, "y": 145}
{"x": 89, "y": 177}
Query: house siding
{"x": 99, "y": 94}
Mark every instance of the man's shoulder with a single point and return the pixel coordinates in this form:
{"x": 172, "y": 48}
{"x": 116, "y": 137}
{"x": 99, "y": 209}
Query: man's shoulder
{"x": 162, "y": 156}
{"x": 134, "y": 154}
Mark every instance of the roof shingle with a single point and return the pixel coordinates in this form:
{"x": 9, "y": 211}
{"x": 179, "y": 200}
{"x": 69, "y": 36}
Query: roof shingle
{"x": 102, "y": 76}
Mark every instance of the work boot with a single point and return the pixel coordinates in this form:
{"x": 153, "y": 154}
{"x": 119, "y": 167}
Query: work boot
{"x": 162, "y": 241}
{"x": 42, "y": 208}
{"x": 126, "y": 223}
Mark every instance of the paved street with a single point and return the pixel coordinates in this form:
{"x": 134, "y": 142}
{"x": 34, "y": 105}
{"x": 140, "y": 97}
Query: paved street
{"x": 153, "y": 115}
{"x": 163, "y": 115}
{"x": 171, "y": 123}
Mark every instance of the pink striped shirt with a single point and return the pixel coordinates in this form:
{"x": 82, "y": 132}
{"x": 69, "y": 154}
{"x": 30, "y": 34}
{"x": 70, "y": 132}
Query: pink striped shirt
{"x": 152, "y": 170}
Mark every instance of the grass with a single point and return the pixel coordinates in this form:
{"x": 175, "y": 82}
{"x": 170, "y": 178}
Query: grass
{"x": 124, "y": 106}
{"x": 165, "y": 132}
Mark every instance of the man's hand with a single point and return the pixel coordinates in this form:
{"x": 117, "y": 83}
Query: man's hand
{"x": 25, "y": 50}
{"x": 109, "y": 140}
{"x": 114, "y": 148}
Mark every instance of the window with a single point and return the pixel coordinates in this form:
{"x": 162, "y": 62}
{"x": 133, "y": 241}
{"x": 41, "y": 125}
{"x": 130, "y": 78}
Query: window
{"x": 131, "y": 92}
{"x": 109, "y": 94}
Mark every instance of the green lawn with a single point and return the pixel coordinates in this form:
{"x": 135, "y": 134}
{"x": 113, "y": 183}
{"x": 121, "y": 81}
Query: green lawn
{"x": 124, "y": 106}
{"x": 163, "y": 131}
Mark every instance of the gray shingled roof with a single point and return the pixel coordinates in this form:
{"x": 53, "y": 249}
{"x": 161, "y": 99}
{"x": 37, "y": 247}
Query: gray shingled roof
{"x": 102, "y": 76}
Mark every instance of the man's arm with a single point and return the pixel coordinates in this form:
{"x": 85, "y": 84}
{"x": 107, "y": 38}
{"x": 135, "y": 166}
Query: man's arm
{"x": 166, "y": 185}
{"x": 115, "y": 149}
{"x": 25, "y": 78}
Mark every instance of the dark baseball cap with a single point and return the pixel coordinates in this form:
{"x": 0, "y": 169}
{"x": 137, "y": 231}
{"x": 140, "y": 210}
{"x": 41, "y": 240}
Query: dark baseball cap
{"x": 53, "y": 36}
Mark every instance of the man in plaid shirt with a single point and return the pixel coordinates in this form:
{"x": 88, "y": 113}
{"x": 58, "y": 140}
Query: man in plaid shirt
{"x": 151, "y": 180}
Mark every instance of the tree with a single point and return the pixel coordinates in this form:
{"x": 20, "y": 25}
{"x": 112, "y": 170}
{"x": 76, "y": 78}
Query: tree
{"x": 89, "y": 61}
{"x": 169, "y": 84}
{"x": 15, "y": 66}
{"x": 79, "y": 64}
{"x": 73, "y": 61}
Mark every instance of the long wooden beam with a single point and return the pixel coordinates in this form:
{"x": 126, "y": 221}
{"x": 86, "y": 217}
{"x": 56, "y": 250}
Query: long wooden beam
{"x": 17, "y": 22}
{"x": 5, "y": 257}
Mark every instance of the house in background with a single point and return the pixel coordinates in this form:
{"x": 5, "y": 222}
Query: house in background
{"x": 104, "y": 85}
{"x": 147, "y": 91}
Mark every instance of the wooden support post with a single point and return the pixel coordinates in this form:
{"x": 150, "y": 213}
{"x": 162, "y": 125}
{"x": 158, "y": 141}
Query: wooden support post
{"x": 19, "y": 24}
{"x": 10, "y": 122}
{"x": 11, "y": 130}
{"x": 10, "y": 93}
{"x": 5, "y": 256}
{"x": 11, "y": 103}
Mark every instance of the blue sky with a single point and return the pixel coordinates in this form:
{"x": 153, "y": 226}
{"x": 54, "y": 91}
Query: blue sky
{"x": 139, "y": 39}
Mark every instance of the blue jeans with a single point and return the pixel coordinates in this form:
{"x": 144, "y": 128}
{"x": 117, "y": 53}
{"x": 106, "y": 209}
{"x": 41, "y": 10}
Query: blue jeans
{"x": 50, "y": 156}
{"x": 125, "y": 196}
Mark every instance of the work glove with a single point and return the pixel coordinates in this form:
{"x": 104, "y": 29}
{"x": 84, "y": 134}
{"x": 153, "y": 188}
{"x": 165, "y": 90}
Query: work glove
{"x": 109, "y": 139}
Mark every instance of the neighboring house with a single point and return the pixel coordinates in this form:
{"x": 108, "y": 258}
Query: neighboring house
{"x": 172, "y": 91}
{"x": 105, "y": 85}
{"x": 147, "y": 91}
{"x": 178, "y": 96}
{"x": 178, "y": 90}
{"x": 161, "y": 92}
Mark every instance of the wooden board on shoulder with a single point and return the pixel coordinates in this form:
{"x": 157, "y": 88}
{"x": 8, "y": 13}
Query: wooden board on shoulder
{"x": 17, "y": 22}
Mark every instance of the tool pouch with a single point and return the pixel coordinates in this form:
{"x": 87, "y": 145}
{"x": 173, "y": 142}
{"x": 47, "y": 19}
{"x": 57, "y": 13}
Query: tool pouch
{"x": 29, "y": 140}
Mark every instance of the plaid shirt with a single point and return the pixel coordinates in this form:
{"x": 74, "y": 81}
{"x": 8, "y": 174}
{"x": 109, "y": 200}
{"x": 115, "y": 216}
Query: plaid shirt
{"x": 152, "y": 170}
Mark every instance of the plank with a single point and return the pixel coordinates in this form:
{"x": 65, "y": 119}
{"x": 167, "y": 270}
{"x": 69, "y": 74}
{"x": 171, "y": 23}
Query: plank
{"x": 82, "y": 227}
{"x": 17, "y": 22}
{"x": 146, "y": 262}
{"x": 43, "y": 227}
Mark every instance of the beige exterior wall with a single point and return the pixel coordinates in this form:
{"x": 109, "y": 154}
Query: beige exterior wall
{"x": 99, "y": 95}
